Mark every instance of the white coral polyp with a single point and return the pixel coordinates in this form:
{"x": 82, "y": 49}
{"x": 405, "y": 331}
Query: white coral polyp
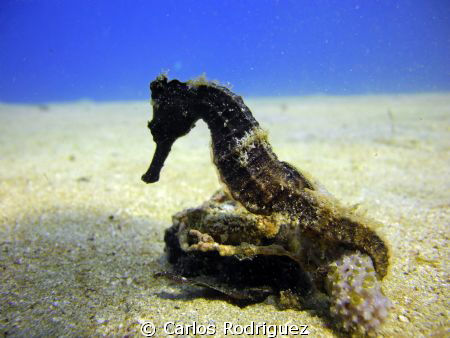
{"x": 356, "y": 296}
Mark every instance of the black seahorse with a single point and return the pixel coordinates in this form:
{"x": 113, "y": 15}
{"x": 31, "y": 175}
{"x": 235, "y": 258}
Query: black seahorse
{"x": 251, "y": 171}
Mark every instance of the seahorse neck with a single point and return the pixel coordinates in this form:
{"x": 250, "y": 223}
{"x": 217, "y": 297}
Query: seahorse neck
{"x": 226, "y": 115}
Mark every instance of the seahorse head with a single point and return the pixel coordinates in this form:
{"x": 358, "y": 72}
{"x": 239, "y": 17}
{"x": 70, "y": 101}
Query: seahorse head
{"x": 173, "y": 116}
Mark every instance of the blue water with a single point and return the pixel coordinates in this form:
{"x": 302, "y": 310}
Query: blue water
{"x": 54, "y": 50}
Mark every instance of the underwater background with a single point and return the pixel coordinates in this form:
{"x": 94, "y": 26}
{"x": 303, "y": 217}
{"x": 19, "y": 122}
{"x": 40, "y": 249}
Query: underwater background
{"x": 355, "y": 93}
{"x": 110, "y": 50}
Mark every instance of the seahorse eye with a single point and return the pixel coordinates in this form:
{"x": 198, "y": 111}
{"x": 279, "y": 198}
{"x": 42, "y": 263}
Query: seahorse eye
{"x": 151, "y": 124}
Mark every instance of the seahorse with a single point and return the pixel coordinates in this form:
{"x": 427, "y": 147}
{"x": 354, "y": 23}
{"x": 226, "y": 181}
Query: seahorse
{"x": 251, "y": 171}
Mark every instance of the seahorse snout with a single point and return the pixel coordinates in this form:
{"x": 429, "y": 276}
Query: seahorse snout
{"x": 159, "y": 157}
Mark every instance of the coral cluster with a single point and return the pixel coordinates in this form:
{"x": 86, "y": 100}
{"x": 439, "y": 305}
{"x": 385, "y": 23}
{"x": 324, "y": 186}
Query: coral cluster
{"x": 356, "y": 296}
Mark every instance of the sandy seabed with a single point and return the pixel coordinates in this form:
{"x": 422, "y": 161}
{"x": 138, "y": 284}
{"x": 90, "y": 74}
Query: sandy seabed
{"x": 81, "y": 236}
